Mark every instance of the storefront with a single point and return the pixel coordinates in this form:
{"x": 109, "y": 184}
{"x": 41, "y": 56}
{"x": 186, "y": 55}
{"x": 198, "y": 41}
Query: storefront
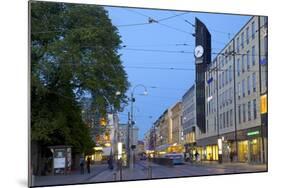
{"x": 212, "y": 152}
{"x": 250, "y": 145}
{"x": 250, "y": 150}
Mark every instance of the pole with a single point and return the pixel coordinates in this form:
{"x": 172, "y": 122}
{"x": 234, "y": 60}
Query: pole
{"x": 128, "y": 140}
{"x": 131, "y": 132}
{"x": 234, "y": 100}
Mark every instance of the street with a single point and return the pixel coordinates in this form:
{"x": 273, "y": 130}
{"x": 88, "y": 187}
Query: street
{"x": 140, "y": 171}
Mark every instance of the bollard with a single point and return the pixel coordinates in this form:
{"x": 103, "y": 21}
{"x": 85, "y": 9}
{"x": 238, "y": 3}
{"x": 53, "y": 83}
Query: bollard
{"x": 114, "y": 176}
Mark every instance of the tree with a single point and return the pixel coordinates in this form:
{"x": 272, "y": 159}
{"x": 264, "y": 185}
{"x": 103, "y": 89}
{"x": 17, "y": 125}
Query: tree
{"x": 73, "y": 54}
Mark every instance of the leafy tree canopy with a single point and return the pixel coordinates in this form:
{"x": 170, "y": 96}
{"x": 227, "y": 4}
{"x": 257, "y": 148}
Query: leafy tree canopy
{"x": 73, "y": 55}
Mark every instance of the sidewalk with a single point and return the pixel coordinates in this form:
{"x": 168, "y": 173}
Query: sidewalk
{"x": 229, "y": 165}
{"x": 73, "y": 178}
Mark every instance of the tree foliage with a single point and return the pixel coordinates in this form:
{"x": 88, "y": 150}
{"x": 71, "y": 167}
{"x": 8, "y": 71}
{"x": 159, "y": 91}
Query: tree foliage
{"x": 73, "y": 54}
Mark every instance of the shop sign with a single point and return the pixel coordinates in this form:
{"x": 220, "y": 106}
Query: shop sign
{"x": 263, "y": 104}
{"x": 253, "y": 133}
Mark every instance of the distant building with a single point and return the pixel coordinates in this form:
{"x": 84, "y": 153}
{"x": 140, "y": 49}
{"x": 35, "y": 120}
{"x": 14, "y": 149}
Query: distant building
{"x": 177, "y": 134}
{"x": 189, "y": 118}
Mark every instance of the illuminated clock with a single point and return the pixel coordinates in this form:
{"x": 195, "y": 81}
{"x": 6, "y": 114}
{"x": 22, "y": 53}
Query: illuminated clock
{"x": 198, "y": 51}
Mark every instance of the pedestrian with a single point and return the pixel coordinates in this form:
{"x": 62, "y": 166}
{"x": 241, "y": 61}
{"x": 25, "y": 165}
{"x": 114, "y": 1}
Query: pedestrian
{"x": 231, "y": 156}
{"x": 110, "y": 163}
{"x": 89, "y": 165}
{"x": 82, "y": 165}
{"x": 187, "y": 157}
{"x": 197, "y": 156}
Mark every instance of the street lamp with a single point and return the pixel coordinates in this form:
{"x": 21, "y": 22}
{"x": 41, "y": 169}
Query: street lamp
{"x": 115, "y": 124}
{"x": 131, "y": 124}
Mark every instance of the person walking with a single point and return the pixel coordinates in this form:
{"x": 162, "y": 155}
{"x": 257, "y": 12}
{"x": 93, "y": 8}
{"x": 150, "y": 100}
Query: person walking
{"x": 89, "y": 165}
{"x": 82, "y": 165}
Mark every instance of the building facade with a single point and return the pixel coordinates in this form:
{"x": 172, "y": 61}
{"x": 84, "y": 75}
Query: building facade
{"x": 235, "y": 83}
{"x": 189, "y": 119}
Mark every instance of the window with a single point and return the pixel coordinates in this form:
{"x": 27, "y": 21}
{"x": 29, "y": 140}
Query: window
{"x": 224, "y": 120}
{"x": 244, "y": 112}
{"x": 265, "y": 41}
{"x": 254, "y": 81}
{"x": 237, "y": 44}
{"x": 243, "y": 63}
{"x": 215, "y": 124}
{"x": 223, "y": 100}
{"x": 225, "y": 96}
{"x": 226, "y": 74}
{"x": 243, "y": 88}
{"x": 248, "y": 60}
{"x": 230, "y": 118}
{"x": 230, "y": 73}
{"x": 253, "y": 30}
{"x": 247, "y": 35}
{"x": 239, "y": 113}
{"x": 253, "y": 55}
{"x": 226, "y": 55}
{"x": 220, "y": 121}
{"x": 249, "y": 111}
{"x": 238, "y": 67}
{"x": 227, "y": 119}
{"x": 242, "y": 40}
{"x": 239, "y": 90}
{"x": 220, "y": 81}
{"x": 255, "y": 108}
{"x": 230, "y": 95}
{"x": 222, "y": 78}
{"x": 229, "y": 55}
{"x": 249, "y": 85}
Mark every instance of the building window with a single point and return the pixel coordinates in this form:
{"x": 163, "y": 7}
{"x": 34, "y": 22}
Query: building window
{"x": 247, "y": 35}
{"x": 249, "y": 85}
{"x": 244, "y": 112}
{"x": 242, "y": 40}
{"x": 222, "y": 78}
{"x": 253, "y": 56}
{"x": 248, "y": 60}
{"x": 239, "y": 114}
{"x": 220, "y": 121}
{"x": 265, "y": 45}
{"x": 224, "y": 120}
{"x": 243, "y": 63}
{"x": 225, "y": 96}
{"x": 237, "y": 44}
{"x": 254, "y": 81}
{"x": 230, "y": 118}
{"x": 220, "y": 81}
{"x": 227, "y": 119}
{"x": 255, "y": 108}
{"x": 243, "y": 88}
{"x": 230, "y": 95}
{"x": 249, "y": 111}
{"x": 253, "y": 30}
{"x": 238, "y": 67}
{"x": 230, "y": 73}
{"x": 215, "y": 124}
{"x": 226, "y": 74}
{"x": 239, "y": 90}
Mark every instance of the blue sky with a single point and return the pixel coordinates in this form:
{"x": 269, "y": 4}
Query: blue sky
{"x": 169, "y": 38}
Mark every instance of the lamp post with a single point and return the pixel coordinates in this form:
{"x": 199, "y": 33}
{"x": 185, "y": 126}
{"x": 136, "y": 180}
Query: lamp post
{"x": 114, "y": 124}
{"x": 130, "y": 126}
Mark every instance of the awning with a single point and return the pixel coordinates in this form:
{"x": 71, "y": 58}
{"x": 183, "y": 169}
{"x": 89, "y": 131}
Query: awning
{"x": 162, "y": 147}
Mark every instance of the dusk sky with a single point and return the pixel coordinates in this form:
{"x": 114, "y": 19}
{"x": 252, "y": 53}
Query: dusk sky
{"x": 152, "y": 49}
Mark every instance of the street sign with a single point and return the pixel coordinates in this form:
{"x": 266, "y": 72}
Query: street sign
{"x": 210, "y": 80}
{"x": 253, "y": 133}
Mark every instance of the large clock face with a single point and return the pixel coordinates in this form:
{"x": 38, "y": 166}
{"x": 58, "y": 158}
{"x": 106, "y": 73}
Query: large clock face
{"x": 198, "y": 51}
